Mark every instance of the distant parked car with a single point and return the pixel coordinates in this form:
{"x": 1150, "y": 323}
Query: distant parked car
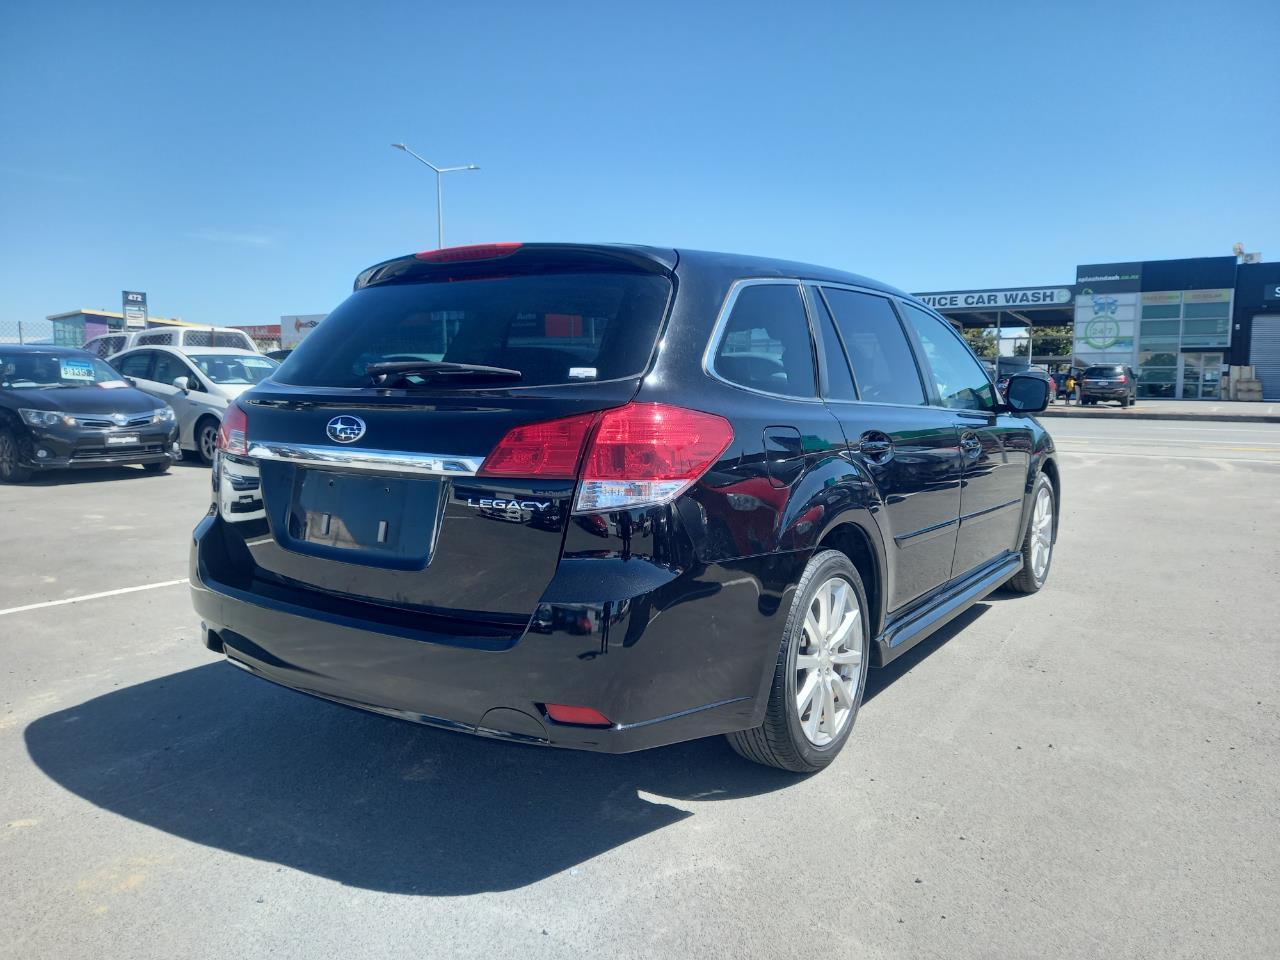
{"x": 1109, "y": 382}
{"x": 198, "y": 384}
{"x": 62, "y": 408}
{"x": 109, "y": 344}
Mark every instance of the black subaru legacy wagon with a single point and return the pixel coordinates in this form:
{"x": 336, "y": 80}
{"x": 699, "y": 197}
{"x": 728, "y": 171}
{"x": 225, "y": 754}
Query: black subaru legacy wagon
{"x": 614, "y": 497}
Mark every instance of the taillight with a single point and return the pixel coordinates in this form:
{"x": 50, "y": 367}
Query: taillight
{"x": 1122, "y": 379}
{"x": 638, "y": 455}
{"x": 549, "y": 450}
{"x": 477, "y": 251}
{"x": 648, "y": 453}
{"x": 233, "y": 435}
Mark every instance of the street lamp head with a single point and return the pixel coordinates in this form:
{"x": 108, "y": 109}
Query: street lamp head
{"x": 473, "y": 166}
{"x": 400, "y": 146}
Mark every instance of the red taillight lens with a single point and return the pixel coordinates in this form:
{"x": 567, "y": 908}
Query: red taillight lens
{"x": 549, "y": 450}
{"x": 581, "y": 716}
{"x": 1122, "y": 379}
{"x": 638, "y": 455}
{"x": 478, "y": 251}
{"x": 233, "y": 435}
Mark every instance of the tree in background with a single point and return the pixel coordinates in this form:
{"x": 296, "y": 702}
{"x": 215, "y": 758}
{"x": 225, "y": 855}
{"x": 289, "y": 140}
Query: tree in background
{"x": 983, "y": 342}
{"x": 1049, "y": 342}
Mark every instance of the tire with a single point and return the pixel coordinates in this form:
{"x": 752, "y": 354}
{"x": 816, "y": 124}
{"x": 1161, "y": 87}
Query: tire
{"x": 206, "y": 437}
{"x": 157, "y": 468}
{"x": 1040, "y": 533}
{"x": 11, "y": 471}
{"x": 791, "y": 736}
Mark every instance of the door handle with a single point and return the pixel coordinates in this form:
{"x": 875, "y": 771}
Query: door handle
{"x": 876, "y": 447}
{"x": 970, "y": 443}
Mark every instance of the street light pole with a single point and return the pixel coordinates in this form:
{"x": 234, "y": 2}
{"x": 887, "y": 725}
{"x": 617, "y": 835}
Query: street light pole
{"x": 439, "y": 187}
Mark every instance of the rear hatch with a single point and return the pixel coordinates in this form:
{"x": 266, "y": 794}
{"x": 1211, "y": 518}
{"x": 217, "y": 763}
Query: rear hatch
{"x": 358, "y": 472}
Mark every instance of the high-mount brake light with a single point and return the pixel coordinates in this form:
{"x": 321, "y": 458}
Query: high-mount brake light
{"x": 233, "y": 434}
{"x": 477, "y": 251}
{"x": 637, "y": 455}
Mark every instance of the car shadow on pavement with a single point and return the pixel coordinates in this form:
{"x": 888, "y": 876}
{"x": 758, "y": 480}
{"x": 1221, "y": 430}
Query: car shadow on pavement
{"x": 64, "y": 478}
{"x": 220, "y": 758}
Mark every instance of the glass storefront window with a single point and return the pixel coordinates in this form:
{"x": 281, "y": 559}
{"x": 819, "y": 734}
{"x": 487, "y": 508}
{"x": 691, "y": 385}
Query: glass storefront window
{"x": 1205, "y": 310}
{"x": 1158, "y": 358}
{"x": 1152, "y": 329}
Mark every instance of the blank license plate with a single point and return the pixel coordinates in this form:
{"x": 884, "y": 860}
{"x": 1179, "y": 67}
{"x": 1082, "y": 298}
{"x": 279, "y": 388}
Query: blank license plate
{"x": 123, "y": 440}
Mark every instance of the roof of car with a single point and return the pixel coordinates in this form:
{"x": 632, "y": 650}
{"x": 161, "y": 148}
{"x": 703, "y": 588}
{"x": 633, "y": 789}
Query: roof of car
{"x": 191, "y": 349}
{"x": 41, "y": 348}
{"x": 669, "y": 258}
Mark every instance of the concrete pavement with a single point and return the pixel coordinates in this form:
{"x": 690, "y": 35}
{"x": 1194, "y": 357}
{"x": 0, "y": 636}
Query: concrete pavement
{"x": 1225, "y": 411}
{"x": 1088, "y": 772}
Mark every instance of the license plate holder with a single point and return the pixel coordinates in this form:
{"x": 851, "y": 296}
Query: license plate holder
{"x": 358, "y": 518}
{"x": 123, "y": 440}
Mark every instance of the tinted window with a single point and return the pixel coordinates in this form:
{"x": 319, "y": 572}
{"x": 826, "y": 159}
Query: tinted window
{"x": 765, "y": 343}
{"x": 168, "y": 367}
{"x": 839, "y": 380}
{"x": 959, "y": 377}
{"x": 26, "y": 370}
{"x": 1104, "y": 372}
{"x": 883, "y": 366}
{"x": 554, "y": 328}
{"x": 135, "y": 364}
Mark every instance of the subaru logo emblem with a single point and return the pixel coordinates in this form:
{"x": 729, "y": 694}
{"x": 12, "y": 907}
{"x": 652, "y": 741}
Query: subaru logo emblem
{"x": 345, "y": 429}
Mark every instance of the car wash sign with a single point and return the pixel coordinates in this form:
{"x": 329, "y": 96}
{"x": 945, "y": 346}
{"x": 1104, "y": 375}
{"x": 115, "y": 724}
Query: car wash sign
{"x": 1025, "y": 298}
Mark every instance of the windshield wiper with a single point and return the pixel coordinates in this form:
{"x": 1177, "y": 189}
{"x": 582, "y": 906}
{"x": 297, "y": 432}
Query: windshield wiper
{"x": 385, "y": 374}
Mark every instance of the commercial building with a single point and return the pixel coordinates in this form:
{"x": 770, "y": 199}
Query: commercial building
{"x": 1183, "y": 325}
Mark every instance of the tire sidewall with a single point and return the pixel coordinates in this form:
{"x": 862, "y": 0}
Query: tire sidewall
{"x": 828, "y": 564}
{"x": 208, "y": 423}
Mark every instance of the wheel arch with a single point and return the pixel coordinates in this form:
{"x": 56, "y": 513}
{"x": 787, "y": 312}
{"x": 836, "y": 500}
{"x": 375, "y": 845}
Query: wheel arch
{"x": 857, "y": 537}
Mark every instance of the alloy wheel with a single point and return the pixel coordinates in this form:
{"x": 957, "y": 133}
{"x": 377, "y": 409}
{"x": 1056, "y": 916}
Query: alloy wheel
{"x": 1042, "y": 533}
{"x": 829, "y": 662}
{"x": 208, "y": 442}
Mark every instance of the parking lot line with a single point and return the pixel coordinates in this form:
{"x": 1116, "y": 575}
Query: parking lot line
{"x": 92, "y": 596}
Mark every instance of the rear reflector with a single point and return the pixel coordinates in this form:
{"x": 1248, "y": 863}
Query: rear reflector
{"x": 478, "y": 251}
{"x": 581, "y": 716}
{"x": 637, "y": 455}
{"x": 233, "y": 435}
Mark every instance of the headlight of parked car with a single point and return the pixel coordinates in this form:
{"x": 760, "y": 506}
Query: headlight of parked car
{"x": 46, "y": 418}
{"x": 163, "y": 415}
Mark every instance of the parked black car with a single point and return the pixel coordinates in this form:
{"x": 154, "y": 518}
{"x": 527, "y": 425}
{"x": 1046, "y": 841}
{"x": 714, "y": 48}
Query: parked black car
{"x": 1109, "y": 382}
{"x": 614, "y": 497}
{"x": 63, "y": 408}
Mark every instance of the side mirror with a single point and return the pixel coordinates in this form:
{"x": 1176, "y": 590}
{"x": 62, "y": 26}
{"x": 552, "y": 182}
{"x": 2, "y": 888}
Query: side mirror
{"x": 1027, "y": 393}
{"x": 182, "y": 383}
{"x": 130, "y": 381}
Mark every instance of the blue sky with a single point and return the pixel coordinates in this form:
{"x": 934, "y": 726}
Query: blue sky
{"x": 233, "y": 161}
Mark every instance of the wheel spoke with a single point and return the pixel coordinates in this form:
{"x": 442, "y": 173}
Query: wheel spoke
{"x": 843, "y": 690}
{"x": 850, "y": 656}
{"x": 828, "y": 709}
{"x": 840, "y": 636}
{"x": 806, "y": 661}
{"x": 805, "y": 696}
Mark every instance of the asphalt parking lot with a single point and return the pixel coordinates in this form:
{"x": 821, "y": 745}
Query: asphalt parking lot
{"x": 1089, "y": 772}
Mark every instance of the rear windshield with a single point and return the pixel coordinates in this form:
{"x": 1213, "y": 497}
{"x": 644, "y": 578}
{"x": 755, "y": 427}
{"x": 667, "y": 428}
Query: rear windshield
{"x": 553, "y": 328}
{"x": 1104, "y": 371}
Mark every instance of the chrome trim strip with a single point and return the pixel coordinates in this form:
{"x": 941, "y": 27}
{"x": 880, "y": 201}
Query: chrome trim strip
{"x": 369, "y": 461}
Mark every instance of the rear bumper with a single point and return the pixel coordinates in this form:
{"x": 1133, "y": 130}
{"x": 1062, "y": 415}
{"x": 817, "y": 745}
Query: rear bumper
{"x": 1105, "y": 393}
{"x": 690, "y": 658}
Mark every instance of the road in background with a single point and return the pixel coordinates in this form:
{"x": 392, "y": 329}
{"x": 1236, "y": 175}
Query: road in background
{"x": 1088, "y": 772}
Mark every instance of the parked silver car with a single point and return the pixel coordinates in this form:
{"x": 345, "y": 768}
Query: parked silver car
{"x": 198, "y": 383}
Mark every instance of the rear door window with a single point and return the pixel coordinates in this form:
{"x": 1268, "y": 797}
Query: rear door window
{"x": 884, "y": 367}
{"x": 556, "y": 328}
{"x": 765, "y": 342}
{"x": 136, "y": 364}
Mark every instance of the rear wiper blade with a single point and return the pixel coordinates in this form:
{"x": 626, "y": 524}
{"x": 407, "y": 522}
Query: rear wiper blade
{"x": 393, "y": 370}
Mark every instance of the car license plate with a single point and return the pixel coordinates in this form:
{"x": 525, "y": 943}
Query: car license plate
{"x": 123, "y": 440}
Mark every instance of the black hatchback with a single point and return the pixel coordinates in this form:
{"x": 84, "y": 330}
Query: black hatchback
{"x": 62, "y": 408}
{"x": 613, "y": 497}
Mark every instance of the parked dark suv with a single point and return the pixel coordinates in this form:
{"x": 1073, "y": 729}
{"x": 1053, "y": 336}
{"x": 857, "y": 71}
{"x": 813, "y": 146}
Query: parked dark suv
{"x": 1109, "y": 382}
{"x": 614, "y": 497}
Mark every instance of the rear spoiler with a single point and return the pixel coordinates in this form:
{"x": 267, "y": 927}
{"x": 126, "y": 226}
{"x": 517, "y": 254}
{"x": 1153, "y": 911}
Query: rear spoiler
{"x": 514, "y": 259}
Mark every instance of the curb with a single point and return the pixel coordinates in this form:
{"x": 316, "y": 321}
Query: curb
{"x": 1201, "y": 417}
